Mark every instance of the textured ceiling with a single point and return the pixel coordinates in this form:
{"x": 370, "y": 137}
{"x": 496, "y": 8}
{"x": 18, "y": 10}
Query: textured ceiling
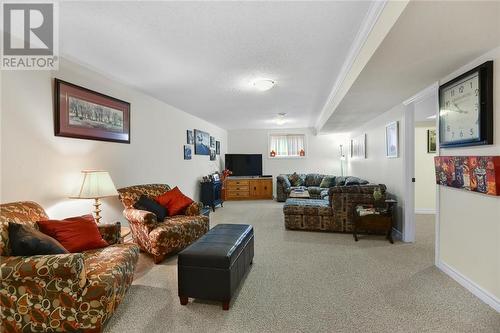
{"x": 200, "y": 57}
{"x": 429, "y": 41}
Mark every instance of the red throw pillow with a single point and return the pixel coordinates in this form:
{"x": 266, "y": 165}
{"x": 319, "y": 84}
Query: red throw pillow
{"x": 174, "y": 201}
{"x": 76, "y": 234}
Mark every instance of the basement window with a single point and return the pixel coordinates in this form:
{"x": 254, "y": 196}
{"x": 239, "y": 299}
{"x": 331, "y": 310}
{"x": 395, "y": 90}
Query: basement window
{"x": 287, "y": 146}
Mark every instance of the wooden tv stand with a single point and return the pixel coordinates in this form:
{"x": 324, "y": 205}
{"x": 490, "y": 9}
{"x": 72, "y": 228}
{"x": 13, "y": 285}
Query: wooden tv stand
{"x": 248, "y": 188}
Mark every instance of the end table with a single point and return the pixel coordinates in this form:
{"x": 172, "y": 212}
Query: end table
{"x": 376, "y": 219}
{"x": 124, "y": 233}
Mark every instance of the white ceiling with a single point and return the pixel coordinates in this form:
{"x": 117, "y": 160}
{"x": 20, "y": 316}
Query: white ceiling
{"x": 429, "y": 41}
{"x": 200, "y": 57}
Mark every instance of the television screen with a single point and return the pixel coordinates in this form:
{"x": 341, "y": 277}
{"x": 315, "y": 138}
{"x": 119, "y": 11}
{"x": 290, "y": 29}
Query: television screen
{"x": 244, "y": 164}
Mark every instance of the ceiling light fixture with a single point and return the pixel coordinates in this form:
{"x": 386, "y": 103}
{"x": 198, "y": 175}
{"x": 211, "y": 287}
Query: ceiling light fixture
{"x": 263, "y": 84}
{"x": 432, "y": 117}
{"x": 280, "y": 120}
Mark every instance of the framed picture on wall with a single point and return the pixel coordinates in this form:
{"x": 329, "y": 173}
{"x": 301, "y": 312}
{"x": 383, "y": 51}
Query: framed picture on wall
{"x": 212, "y": 155}
{"x": 358, "y": 147}
{"x": 187, "y": 152}
{"x": 392, "y": 140}
{"x": 212, "y": 142}
{"x": 431, "y": 141}
{"x": 86, "y": 114}
{"x": 189, "y": 137}
{"x": 217, "y": 147}
{"x": 201, "y": 143}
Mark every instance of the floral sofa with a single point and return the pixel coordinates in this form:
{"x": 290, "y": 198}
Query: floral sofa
{"x": 161, "y": 238}
{"x": 332, "y": 214}
{"x": 76, "y": 292}
{"x": 312, "y": 182}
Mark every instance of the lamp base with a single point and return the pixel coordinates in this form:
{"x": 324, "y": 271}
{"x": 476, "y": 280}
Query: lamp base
{"x": 97, "y": 211}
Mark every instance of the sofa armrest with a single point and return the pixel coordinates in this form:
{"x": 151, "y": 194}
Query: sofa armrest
{"x": 194, "y": 209}
{"x": 110, "y": 232}
{"x": 343, "y": 199}
{"x": 140, "y": 216}
{"x": 66, "y": 268}
{"x": 283, "y": 181}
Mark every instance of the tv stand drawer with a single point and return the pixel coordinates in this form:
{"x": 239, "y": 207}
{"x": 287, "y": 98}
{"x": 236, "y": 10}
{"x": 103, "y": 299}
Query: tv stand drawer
{"x": 237, "y": 182}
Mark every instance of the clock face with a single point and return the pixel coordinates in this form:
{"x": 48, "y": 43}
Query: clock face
{"x": 459, "y": 110}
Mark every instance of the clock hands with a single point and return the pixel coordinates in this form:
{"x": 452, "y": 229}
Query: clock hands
{"x": 459, "y": 110}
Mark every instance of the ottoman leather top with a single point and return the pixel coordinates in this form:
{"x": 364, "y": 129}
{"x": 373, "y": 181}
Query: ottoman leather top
{"x": 218, "y": 248}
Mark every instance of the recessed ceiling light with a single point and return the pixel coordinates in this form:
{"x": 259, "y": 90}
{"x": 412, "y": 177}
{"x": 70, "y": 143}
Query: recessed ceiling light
{"x": 263, "y": 84}
{"x": 432, "y": 117}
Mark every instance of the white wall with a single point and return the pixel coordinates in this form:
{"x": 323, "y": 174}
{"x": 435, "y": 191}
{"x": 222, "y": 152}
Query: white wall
{"x": 377, "y": 168}
{"x": 425, "y": 185}
{"x": 469, "y": 223}
{"x": 322, "y": 153}
{"x": 38, "y": 166}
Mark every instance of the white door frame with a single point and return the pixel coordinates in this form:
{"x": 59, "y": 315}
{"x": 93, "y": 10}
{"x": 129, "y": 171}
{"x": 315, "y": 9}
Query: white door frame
{"x": 409, "y": 163}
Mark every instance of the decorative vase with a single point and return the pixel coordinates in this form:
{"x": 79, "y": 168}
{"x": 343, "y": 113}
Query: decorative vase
{"x": 377, "y": 194}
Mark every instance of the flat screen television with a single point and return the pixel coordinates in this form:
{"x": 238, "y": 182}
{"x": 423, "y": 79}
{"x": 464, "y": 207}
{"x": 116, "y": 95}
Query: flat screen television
{"x": 244, "y": 164}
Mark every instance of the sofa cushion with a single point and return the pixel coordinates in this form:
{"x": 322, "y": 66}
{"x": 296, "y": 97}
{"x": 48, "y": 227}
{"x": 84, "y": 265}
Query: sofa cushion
{"x": 150, "y": 205}
{"x": 314, "y": 189}
{"x": 177, "y": 232}
{"x": 313, "y": 179}
{"x": 110, "y": 272}
{"x": 324, "y": 194}
{"x": 355, "y": 181}
{"x": 174, "y": 201}
{"x": 295, "y": 179}
{"x": 327, "y": 182}
{"x": 76, "y": 234}
{"x": 340, "y": 181}
{"x": 28, "y": 241}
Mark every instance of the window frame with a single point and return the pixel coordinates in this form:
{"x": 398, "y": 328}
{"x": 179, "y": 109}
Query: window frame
{"x": 269, "y": 135}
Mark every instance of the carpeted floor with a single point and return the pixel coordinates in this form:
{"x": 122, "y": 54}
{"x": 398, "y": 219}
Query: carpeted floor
{"x": 312, "y": 282}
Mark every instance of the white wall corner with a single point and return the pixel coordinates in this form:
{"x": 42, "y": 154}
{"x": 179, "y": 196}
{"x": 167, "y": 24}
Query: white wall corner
{"x": 471, "y": 286}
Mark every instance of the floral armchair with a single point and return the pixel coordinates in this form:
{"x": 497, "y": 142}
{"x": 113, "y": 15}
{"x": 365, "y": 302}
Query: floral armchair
{"x": 64, "y": 292}
{"x": 161, "y": 238}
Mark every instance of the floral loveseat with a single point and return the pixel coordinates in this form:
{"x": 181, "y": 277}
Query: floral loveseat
{"x": 76, "y": 292}
{"x": 161, "y": 238}
{"x": 312, "y": 182}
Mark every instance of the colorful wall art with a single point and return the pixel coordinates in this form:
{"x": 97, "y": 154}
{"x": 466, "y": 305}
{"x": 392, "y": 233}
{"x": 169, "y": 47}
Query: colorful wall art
{"x": 472, "y": 173}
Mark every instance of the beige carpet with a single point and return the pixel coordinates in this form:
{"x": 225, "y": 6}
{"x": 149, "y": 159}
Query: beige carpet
{"x": 312, "y": 282}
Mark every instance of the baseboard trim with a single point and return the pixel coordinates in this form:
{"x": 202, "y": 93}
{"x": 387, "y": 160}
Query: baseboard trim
{"x": 396, "y": 234}
{"x": 471, "y": 286}
{"x": 425, "y": 211}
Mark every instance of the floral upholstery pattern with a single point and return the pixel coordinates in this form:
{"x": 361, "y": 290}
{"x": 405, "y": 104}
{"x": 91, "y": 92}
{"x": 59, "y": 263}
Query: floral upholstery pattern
{"x": 312, "y": 182}
{"x": 110, "y": 232}
{"x": 334, "y": 214}
{"x": 177, "y": 232}
{"x": 130, "y": 195}
{"x": 65, "y": 292}
{"x": 24, "y": 212}
{"x": 161, "y": 238}
{"x": 313, "y": 179}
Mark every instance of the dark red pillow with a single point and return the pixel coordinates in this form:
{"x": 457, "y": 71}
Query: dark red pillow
{"x": 174, "y": 201}
{"x": 76, "y": 234}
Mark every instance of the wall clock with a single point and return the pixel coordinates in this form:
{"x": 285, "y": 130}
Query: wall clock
{"x": 466, "y": 109}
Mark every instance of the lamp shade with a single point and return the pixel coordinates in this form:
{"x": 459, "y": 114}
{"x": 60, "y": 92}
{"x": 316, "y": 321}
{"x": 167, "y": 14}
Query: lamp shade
{"x": 95, "y": 184}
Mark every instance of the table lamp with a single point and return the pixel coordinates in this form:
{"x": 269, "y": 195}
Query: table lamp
{"x": 96, "y": 184}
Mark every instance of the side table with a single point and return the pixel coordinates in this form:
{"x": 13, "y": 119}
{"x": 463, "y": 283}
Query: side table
{"x": 124, "y": 233}
{"x": 370, "y": 218}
